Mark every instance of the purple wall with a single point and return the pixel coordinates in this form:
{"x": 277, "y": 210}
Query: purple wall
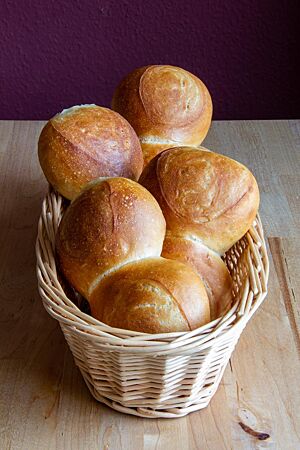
{"x": 55, "y": 54}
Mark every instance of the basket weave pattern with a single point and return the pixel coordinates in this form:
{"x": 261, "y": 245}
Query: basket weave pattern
{"x": 167, "y": 375}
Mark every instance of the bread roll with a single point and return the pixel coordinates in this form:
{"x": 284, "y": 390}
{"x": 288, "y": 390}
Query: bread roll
{"x": 152, "y": 296}
{"x": 108, "y": 244}
{"x": 203, "y": 194}
{"x": 112, "y": 222}
{"x": 166, "y": 105}
{"x": 86, "y": 142}
{"x": 208, "y": 264}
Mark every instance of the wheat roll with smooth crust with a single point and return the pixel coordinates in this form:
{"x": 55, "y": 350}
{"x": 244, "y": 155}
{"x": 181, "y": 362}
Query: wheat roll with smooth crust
{"x": 209, "y": 266}
{"x": 112, "y": 222}
{"x": 152, "y": 296}
{"x": 86, "y": 142}
{"x": 166, "y": 105}
{"x": 203, "y": 194}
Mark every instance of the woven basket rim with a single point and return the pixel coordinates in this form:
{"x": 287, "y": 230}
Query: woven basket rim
{"x": 65, "y": 311}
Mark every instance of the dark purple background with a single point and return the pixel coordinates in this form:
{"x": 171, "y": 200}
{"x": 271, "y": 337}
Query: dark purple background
{"x": 55, "y": 54}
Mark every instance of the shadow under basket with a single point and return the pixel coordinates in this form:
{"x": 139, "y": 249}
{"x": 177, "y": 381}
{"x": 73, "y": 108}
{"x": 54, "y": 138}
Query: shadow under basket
{"x": 152, "y": 375}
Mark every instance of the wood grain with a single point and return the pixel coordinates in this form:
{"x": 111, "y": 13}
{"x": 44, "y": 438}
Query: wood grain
{"x": 282, "y": 254}
{"x": 44, "y": 403}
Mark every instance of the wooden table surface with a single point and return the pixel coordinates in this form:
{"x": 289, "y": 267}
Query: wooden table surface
{"x": 44, "y": 403}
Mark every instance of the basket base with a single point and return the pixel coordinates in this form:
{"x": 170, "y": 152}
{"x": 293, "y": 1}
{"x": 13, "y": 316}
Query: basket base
{"x": 148, "y": 413}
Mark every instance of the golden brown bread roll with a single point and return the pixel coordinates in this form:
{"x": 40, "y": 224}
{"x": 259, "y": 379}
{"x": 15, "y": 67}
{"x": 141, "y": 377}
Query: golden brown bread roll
{"x": 108, "y": 244}
{"x": 112, "y": 222}
{"x": 208, "y": 264}
{"x": 166, "y": 105}
{"x": 203, "y": 194}
{"x": 153, "y": 296}
{"x": 209, "y": 202}
{"x": 85, "y": 142}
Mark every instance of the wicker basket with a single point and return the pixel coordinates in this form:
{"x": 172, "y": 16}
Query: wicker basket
{"x": 167, "y": 375}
